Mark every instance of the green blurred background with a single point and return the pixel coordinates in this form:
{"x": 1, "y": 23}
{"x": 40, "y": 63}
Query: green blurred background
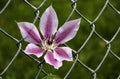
{"x": 91, "y": 55}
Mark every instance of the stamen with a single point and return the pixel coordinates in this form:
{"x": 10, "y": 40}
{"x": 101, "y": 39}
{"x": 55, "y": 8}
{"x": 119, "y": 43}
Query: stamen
{"x": 49, "y": 42}
{"x": 48, "y": 45}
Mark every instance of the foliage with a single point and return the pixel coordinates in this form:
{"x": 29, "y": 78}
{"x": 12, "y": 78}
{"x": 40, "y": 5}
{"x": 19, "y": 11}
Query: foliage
{"x": 91, "y": 54}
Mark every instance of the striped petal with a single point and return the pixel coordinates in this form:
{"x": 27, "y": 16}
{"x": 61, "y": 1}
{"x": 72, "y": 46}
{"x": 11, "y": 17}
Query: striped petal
{"x": 29, "y": 32}
{"x": 67, "y": 31}
{"x": 34, "y": 50}
{"x": 63, "y": 53}
{"x": 49, "y": 58}
{"x": 48, "y": 23}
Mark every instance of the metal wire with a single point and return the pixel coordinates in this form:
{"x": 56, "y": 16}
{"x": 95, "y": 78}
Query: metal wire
{"x": 76, "y": 52}
{"x": 6, "y": 5}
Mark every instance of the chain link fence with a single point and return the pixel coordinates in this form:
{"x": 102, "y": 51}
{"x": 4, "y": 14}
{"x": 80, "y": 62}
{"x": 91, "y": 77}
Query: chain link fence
{"x": 77, "y": 53}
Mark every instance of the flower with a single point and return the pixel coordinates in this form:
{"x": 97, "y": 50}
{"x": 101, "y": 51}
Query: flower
{"x": 48, "y": 45}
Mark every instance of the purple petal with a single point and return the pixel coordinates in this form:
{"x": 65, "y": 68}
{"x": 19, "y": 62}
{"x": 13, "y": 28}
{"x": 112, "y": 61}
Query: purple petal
{"x": 29, "y": 32}
{"x": 49, "y": 58}
{"x": 63, "y": 53}
{"x": 67, "y": 31}
{"x": 34, "y": 50}
{"x": 48, "y": 23}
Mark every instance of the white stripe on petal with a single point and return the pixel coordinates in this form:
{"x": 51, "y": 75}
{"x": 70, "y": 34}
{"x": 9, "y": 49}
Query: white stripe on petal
{"x": 34, "y": 50}
{"x": 49, "y": 58}
{"x": 67, "y": 31}
{"x": 48, "y": 23}
{"x": 29, "y": 32}
{"x": 63, "y": 53}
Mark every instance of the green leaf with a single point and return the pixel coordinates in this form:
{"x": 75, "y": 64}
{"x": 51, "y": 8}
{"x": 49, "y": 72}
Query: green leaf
{"x": 50, "y": 76}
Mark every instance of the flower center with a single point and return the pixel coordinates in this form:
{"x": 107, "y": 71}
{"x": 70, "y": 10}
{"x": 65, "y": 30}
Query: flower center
{"x": 48, "y": 45}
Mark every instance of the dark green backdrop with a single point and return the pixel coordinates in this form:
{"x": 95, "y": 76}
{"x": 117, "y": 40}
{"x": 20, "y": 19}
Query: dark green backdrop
{"x": 91, "y": 55}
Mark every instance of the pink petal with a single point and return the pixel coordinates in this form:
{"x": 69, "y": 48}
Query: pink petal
{"x": 49, "y": 58}
{"x": 63, "y": 53}
{"x": 34, "y": 50}
{"x": 48, "y": 23}
{"x": 29, "y": 32}
{"x": 67, "y": 31}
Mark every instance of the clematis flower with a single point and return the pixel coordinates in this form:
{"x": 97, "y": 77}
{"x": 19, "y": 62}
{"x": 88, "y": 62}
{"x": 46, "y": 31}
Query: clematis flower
{"x": 48, "y": 45}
